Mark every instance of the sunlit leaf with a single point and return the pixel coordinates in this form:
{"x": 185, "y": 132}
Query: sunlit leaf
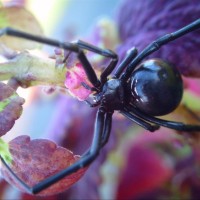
{"x": 19, "y": 18}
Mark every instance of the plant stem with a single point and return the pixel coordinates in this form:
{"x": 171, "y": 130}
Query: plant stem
{"x": 30, "y": 70}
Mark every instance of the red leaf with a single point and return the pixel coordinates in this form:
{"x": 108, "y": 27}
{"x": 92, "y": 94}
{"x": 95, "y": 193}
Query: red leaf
{"x": 35, "y": 160}
{"x": 146, "y": 169}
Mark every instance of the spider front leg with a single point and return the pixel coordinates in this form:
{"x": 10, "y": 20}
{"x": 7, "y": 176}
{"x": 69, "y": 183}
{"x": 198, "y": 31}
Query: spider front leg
{"x": 77, "y": 48}
{"x": 104, "y": 52}
{"x": 63, "y": 45}
{"x": 101, "y": 133}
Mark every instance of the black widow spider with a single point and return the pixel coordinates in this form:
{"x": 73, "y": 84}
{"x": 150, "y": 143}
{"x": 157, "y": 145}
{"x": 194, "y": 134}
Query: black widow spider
{"x": 139, "y": 92}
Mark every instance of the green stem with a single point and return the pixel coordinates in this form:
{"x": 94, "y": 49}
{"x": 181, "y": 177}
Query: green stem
{"x": 30, "y": 70}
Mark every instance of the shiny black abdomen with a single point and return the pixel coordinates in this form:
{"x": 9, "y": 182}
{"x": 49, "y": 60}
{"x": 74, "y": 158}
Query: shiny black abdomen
{"x": 156, "y": 87}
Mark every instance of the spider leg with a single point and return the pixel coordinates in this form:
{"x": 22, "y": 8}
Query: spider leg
{"x": 88, "y": 157}
{"x": 64, "y": 45}
{"x": 139, "y": 120}
{"x": 131, "y": 54}
{"x": 104, "y": 52}
{"x": 179, "y": 126}
{"x": 157, "y": 44}
{"x": 22, "y": 183}
{"x": 107, "y": 129}
{"x": 88, "y": 69}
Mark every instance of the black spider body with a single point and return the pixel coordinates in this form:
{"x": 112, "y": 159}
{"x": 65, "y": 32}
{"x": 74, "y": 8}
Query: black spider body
{"x": 137, "y": 90}
{"x": 156, "y": 87}
{"x": 112, "y": 96}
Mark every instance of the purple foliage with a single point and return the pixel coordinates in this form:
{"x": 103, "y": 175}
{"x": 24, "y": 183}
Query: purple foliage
{"x": 10, "y": 107}
{"x": 141, "y": 22}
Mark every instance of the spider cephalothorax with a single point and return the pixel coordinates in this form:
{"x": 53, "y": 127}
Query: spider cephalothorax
{"x": 138, "y": 91}
{"x": 111, "y": 96}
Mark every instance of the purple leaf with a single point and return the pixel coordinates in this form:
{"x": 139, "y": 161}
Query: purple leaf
{"x": 10, "y": 108}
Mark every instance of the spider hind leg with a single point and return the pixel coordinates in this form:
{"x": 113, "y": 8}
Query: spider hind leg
{"x": 179, "y": 126}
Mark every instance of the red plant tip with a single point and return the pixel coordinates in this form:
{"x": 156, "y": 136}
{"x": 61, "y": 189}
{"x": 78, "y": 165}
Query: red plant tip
{"x": 75, "y": 77}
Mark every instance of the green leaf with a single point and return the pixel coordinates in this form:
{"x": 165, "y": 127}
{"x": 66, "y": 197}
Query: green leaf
{"x": 4, "y": 151}
{"x": 3, "y": 104}
{"x": 3, "y": 18}
{"x": 191, "y": 100}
